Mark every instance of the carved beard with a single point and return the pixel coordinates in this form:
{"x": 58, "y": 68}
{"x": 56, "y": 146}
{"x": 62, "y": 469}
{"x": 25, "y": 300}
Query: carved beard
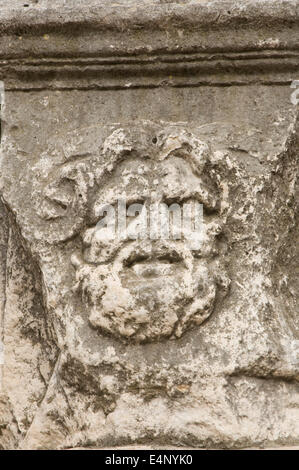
{"x": 148, "y": 292}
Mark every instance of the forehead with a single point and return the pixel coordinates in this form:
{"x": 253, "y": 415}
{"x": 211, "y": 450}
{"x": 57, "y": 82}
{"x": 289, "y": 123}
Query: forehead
{"x": 146, "y": 165}
{"x": 146, "y": 174}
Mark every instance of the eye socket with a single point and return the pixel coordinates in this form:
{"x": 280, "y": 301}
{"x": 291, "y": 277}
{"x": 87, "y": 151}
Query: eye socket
{"x": 112, "y": 210}
{"x": 135, "y": 201}
{"x": 102, "y": 216}
{"x": 134, "y": 208}
{"x": 105, "y": 211}
{"x": 179, "y": 200}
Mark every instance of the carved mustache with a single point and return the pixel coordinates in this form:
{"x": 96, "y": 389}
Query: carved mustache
{"x": 125, "y": 254}
{"x": 169, "y": 252}
{"x": 127, "y": 251}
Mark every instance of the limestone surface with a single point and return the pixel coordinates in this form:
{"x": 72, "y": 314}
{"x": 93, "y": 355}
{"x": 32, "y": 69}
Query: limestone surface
{"x": 123, "y": 320}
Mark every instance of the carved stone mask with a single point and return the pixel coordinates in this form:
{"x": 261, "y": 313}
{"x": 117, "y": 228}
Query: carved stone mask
{"x": 152, "y": 285}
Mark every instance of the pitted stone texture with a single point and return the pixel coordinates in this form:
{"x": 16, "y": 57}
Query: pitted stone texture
{"x": 145, "y": 289}
{"x": 149, "y": 289}
{"x": 149, "y": 342}
{"x": 243, "y": 351}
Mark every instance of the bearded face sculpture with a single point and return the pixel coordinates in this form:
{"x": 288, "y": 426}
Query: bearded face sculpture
{"x": 144, "y": 274}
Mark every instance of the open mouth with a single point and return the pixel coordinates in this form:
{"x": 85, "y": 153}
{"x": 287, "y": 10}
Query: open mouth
{"x": 170, "y": 257}
{"x": 155, "y": 264}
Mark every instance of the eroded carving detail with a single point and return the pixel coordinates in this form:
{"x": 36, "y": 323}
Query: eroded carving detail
{"x": 141, "y": 289}
{"x": 106, "y": 297}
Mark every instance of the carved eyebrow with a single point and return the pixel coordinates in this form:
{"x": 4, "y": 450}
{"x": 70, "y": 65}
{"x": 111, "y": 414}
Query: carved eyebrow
{"x": 75, "y": 157}
{"x": 114, "y": 202}
{"x": 202, "y": 195}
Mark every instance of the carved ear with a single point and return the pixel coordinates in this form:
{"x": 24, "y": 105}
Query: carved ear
{"x": 65, "y": 200}
{"x": 58, "y": 197}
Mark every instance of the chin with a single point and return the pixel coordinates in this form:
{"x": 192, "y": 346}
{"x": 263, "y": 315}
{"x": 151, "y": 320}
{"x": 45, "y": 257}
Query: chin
{"x": 148, "y": 306}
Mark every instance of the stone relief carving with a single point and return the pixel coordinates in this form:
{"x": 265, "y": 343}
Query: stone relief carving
{"x": 111, "y": 339}
{"x": 146, "y": 289}
{"x": 108, "y": 300}
{"x": 150, "y": 289}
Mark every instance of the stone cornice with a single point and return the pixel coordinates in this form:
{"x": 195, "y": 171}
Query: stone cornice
{"x": 108, "y": 45}
{"x": 152, "y": 70}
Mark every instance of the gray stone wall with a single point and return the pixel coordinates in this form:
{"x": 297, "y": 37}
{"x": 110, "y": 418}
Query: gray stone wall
{"x": 116, "y": 340}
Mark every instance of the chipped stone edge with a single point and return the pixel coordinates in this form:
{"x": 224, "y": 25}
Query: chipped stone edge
{"x": 104, "y": 15}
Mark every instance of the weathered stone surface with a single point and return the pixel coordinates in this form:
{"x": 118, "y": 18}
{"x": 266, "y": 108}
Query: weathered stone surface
{"x": 150, "y": 342}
